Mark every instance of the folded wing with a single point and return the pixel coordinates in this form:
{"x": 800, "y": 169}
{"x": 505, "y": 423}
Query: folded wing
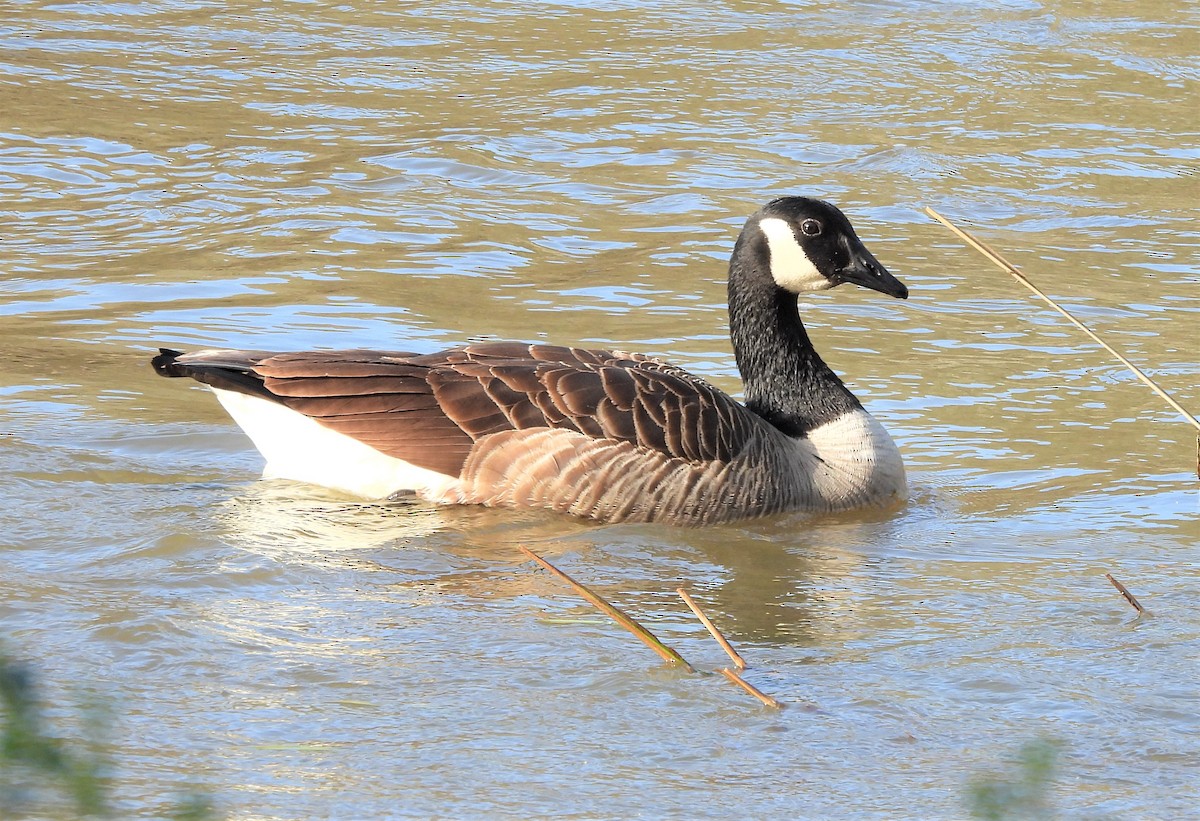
{"x": 431, "y": 409}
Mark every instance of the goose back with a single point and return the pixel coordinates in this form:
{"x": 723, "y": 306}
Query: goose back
{"x": 602, "y": 434}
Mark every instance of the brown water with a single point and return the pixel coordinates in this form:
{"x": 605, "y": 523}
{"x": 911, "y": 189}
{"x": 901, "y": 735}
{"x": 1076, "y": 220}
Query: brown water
{"x": 293, "y": 175}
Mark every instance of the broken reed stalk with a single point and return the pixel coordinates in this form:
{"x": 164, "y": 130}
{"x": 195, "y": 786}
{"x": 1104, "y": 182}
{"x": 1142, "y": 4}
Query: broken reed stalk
{"x": 750, "y": 688}
{"x": 1129, "y": 597}
{"x": 647, "y": 638}
{"x": 1004, "y": 264}
{"x": 738, "y": 661}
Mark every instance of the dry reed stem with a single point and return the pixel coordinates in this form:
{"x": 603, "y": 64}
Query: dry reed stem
{"x": 738, "y": 661}
{"x": 750, "y": 688}
{"x": 648, "y": 638}
{"x": 1004, "y": 264}
{"x": 1129, "y": 597}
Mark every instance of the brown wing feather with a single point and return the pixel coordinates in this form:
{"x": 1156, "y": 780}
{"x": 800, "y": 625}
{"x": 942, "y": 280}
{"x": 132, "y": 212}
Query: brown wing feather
{"x": 430, "y": 409}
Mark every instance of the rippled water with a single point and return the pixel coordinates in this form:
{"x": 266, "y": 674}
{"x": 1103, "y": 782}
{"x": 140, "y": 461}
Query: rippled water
{"x": 292, "y": 175}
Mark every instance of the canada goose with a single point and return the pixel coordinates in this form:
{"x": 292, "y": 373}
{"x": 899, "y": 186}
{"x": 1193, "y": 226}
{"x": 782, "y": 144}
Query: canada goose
{"x": 603, "y": 434}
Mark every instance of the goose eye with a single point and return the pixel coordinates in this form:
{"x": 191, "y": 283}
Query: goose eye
{"x": 810, "y": 228}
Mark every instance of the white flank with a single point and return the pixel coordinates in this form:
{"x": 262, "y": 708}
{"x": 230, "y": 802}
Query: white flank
{"x": 790, "y": 266}
{"x": 859, "y": 463}
{"x": 297, "y": 447}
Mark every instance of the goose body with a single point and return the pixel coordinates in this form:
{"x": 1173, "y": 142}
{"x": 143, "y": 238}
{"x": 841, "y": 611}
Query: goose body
{"x": 606, "y": 435}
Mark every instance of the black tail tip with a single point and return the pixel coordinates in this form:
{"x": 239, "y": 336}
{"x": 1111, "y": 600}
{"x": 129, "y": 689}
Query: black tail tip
{"x": 164, "y": 363}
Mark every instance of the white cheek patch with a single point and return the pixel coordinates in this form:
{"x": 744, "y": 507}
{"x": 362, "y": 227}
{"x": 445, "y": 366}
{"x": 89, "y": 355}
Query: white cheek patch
{"x": 790, "y": 266}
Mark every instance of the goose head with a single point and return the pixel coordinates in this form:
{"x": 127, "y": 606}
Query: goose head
{"x": 811, "y": 246}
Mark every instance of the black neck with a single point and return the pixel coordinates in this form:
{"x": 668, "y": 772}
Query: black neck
{"x": 786, "y": 381}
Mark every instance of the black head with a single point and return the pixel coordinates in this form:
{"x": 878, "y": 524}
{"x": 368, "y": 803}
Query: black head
{"x": 813, "y": 247}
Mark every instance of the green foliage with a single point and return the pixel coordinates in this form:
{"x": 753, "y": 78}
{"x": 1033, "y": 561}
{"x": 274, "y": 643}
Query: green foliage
{"x": 1023, "y": 792}
{"x": 194, "y": 807}
{"x": 31, "y": 759}
{"x": 42, "y": 775}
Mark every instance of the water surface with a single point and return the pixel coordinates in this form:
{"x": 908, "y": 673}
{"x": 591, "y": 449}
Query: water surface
{"x": 291, "y": 175}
